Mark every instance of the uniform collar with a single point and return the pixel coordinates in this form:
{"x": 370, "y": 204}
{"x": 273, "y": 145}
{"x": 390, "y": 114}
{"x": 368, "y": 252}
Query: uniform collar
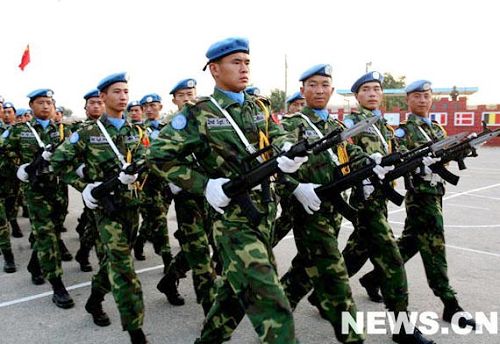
{"x": 118, "y": 123}
{"x": 226, "y": 98}
{"x": 44, "y": 123}
{"x": 420, "y": 120}
{"x": 311, "y": 113}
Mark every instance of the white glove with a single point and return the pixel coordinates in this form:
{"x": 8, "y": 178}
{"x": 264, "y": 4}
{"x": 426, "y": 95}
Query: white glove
{"x": 21, "y": 173}
{"x": 377, "y": 158}
{"x": 80, "y": 171}
{"x": 286, "y": 146}
{"x": 215, "y": 195}
{"x": 287, "y": 165}
{"x": 125, "y": 178}
{"x": 305, "y": 194}
{"x": 381, "y": 171}
{"x": 428, "y": 161}
{"x": 472, "y": 136}
{"x": 90, "y": 202}
{"x": 46, "y": 155}
{"x": 174, "y": 188}
{"x": 368, "y": 188}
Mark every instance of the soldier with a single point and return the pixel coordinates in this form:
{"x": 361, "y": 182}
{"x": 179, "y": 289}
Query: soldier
{"x": 135, "y": 112}
{"x": 295, "y": 103}
{"x": 212, "y": 129}
{"x": 372, "y": 236}
{"x": 23, "y": 143}
{"x": 424, "y": 230}
{"x": 252, "y": 90}
{"x": 315, "y": 223}
{"x": 87, "y": 228}
{"x": 193, "y": 221}
{"x": 108, "y": 146}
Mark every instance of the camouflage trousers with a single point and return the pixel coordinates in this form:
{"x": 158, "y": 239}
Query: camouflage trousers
{"x": 116, "y": 268}
{"x": 373, "y": 239}
{"x": 88, "y": 233}
{"x": 154, "y": 226}
{"x": 4, "y": 227}
{"x": 63, "y": 201}
{"x": 11, "y": 206}
{"x": 319, "y": 264}
{"x": 249, "y": 283}
{"x": 193, "y": 221}
{"x": 424, "y": 234}
{"x": 44, "y": 209}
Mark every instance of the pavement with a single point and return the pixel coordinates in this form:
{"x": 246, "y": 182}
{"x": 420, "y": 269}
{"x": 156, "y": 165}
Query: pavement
{"x": 472, "y": 228}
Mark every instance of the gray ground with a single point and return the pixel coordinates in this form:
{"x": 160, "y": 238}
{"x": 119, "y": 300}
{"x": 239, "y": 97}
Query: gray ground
{"x": 472, "y": 219}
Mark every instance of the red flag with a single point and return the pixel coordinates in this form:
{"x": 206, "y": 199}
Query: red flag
{"x": 26, "y": 58}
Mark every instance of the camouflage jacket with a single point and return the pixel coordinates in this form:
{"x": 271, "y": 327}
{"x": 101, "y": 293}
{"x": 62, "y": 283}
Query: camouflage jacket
{"x": 319, "y": 168}
{"x": 201, "y": 129}
{"x": 88, "y": 145}
{"x": 409, "y": 135}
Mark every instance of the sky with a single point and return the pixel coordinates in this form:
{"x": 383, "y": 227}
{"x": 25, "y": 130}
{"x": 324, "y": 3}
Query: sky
{"x": 76, "y": 43}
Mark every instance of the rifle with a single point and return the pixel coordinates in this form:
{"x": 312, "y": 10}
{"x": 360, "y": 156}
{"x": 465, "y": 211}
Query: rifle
{"x": 238, "y": 188}
{"x": 104, "y": 191}
{"x": 38, "y": 166}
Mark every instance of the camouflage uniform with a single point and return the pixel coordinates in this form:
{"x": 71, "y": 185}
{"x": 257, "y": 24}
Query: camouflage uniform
{"x": 7, "y": 172}
{"x": 62, "y": 193}
{"x": 117, "y": 231}
{"x": 45, "y": 208}
{"x": 316, "y": 235}
{"x": 424, "y": 231}
{"x": 250, "y": 281}
{"x": 372, "y": 236}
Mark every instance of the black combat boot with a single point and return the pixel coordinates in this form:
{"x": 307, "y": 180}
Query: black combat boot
{"x": 139, "y": 248}
{"x": 61, "y": 297}
{"x": 168, "y": 286}
{"x": 35, "y": 270}
{"x": 25, "y": 213}
{"x": 94, "y": 308}
{"x": 414, "y": 337}
{"x": 137, "y": 337}
{"x": 372, "y": 287}
{"x": 65, "y": 255}
{"x": 82, "y": 257}
{"x": 167, "y": 259}
{"x": 16, "y": 231}
{"x": 450, "y": 308}
{"x": 9, "y": 266}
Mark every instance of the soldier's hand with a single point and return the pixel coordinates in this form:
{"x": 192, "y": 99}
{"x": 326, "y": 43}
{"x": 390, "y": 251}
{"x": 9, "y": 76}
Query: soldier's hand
{"x": 80, "y": 171}
{"x": 306, "y": 195}
{"x": 90, "y": 202}
{"x": 287, "y": 165}
{"x": 174, "y": 188}
{"x": 21, "y": 173}
{"x": 215, "y": 195}
{"x": 428, "y": 161}
{"x": 46, "y": 155}
{"x": 368, "y": 188}
{"x": 379, "y": 170}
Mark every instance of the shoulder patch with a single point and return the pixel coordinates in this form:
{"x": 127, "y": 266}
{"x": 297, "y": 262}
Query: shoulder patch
{"x": 154, "y": 134}
{"x": 400, "y": 133}
{"x": 179, "y": 121}
{"x": 349, "y": 123}
{"x": 6, "y": 134}
{"x": 74, "y": 138}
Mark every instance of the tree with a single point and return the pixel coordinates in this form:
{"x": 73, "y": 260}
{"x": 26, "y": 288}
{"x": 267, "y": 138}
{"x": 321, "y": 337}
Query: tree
{"x": 277, "y": 98}
{"x": 67, "y": 112}
{"x": 390, "y": 82}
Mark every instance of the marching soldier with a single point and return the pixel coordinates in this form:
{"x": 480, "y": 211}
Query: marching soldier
{"x": 424, "y": 230}
{"x": 221, "y": 130}
{"x": 23, "y": 143}
{"x": 107, "y": 147}
{"x": 135, "y": 112}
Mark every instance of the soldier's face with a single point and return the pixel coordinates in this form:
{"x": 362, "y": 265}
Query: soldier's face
{"x": 57, "y": 117}
{"x": 9, "y": 116}
{"x": 1, "y": 111}
{"x": 181, "y": 97}
{"x": 370, "y": 95}
{"x": 94, "y": 107}
{"x": 152, "y": 110}
{"x": 420, "y": 102}
{"x": 317, "y": 91}
{"x": 296, "y": 106}
{"x": 43, "y": 107}
{"x": 135, "y": 113}
{"x": 115, "y": 98}
{"x": 232, "y": 72}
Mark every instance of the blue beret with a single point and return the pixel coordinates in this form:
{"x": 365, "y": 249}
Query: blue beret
{"x": 42, "y": 92}
{"x": 253, "y": 90}
{"x": 91, "y": 94}
{"x": 112, "y": 79}
{"x": 9, "y": 105}
{"x": 368, "y": 77}
{"x": 132, "y": 104}
{"x": 29, "y": 112}
{"x": 183, "y": 84}
{"x": 59, "y": 109}
{"x": 20, "y": 112}
{"x": 320, "y": 69}
{"x": 150, "y": 98}
{"x": 226, "y": 47}
{"x": 297, "y": 95}
{"x": 418, "y": 86}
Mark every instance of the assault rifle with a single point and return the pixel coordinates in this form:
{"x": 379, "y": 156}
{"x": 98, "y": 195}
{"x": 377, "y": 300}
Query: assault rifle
{"x": 39, "y": 166}
{"x": 104, "y": 192}
{"x": 238, "y": 188}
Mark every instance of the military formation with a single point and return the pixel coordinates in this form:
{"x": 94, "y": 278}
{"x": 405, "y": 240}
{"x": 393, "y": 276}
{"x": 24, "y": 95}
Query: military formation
{"x": 241, "y": 179}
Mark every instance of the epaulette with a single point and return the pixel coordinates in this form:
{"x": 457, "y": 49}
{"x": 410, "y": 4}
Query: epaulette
{"x": 340, "y": 123}
{"x": 440, "y": 127}
{"x": 199, "y": 100}
{"x": 263, "y": 99}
